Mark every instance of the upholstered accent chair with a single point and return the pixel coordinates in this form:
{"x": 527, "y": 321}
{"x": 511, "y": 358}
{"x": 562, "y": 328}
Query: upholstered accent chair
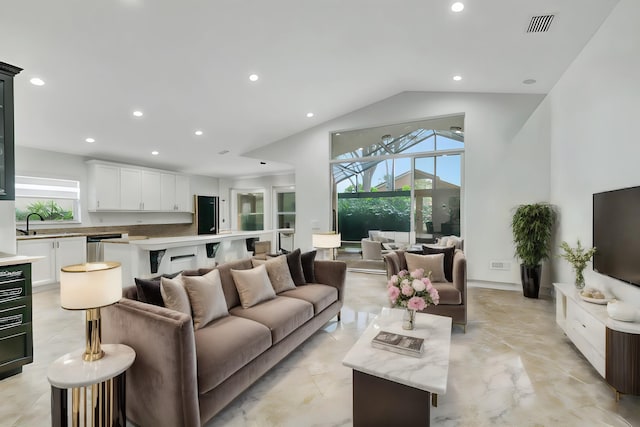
{"x": 453, "y": 293}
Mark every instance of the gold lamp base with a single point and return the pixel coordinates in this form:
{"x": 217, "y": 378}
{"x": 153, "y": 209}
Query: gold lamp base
{"x": 92, "y": 350}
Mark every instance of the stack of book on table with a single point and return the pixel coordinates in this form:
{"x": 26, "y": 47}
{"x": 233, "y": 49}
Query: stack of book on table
{"x": 398, "y": 343}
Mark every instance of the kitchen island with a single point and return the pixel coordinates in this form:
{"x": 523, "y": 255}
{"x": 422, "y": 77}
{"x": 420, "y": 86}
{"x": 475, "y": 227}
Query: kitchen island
{"x": 146, "y": 257}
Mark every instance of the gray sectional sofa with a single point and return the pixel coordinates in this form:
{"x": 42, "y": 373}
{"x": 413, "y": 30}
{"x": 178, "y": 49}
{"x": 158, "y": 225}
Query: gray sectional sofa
{"x": 184, "y": 376}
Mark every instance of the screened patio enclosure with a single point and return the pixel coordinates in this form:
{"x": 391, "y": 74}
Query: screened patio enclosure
{"x": 409, "y": 182}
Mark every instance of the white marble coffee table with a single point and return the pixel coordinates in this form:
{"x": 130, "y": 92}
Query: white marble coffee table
{"x": 394, "y": 389}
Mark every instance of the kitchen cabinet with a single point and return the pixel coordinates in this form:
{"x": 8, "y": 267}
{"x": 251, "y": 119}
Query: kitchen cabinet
{"x": 56, "y": 253}
{"x": 7, "y": 161}
{"x": 130, "y": 188}
{"x": 16, "y": 331}
{"x": 104, "y": 188}
{"x": 139, "y": 190}
{"x": 114, "y": 187}
{"x": 176, "y": 195}
{"x": 150, "y": 191}
{"x": 184, "y": 199}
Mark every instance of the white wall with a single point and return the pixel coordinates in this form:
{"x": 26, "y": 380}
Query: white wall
{"x": 594, "y": 146}
{"x": 502, "y": 167}
{"x": 34, "y": 162}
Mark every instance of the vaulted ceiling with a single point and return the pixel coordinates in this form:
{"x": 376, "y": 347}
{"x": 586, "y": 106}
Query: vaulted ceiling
{"x": 186, "y": 65}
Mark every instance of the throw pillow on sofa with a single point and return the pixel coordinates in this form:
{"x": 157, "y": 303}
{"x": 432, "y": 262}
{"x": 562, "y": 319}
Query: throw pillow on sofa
{"x": 448, "y": 252}
{"x": 278, "y": 272}
{"x": 175, "y": 295}
{"x": 307, "y": 259}
{"x": 253, "y": 285}
{"x": 149, "y": 289}
{"x": 206, "y": 298}
{"x": 295, "y": 267}
{"x": 429, "y": 263}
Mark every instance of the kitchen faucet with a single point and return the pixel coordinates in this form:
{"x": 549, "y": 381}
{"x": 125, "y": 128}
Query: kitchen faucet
{"x": 28, "y": 217}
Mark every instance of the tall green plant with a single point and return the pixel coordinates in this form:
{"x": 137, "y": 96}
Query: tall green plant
{"x": 532, "y": 225}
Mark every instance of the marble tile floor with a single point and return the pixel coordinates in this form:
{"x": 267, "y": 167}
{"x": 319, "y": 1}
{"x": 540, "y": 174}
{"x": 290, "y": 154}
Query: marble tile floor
{"x": 513, "y": 367}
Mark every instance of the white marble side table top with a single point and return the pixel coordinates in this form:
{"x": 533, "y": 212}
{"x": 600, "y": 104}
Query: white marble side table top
{"x": 71, "y": 371}
{"x": 428, "y": 372}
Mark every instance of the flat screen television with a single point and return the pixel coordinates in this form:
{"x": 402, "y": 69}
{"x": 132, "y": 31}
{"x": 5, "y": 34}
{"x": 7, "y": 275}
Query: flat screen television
{"x": 616, "y": 234}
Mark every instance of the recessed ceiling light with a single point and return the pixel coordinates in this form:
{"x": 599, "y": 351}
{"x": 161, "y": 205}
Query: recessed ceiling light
{"x": 457, "y": 7}
{"x": 155, "y": 153}
{"x": 457, "y": 78}
{"x": 138, "y": 113}
{"x": 309, "y": 115}
{"x": 198, "y": 132}
{"x": 529, "y": 81}
{"x": 338, "y": 134}
{"x": 254, "y": 77}
{"x": 37, "y": 81}
{"x": 90, "y": 140}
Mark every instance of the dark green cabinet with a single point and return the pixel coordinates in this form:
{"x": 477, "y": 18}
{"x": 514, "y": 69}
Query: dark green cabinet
{"x": 16, "y": 332}
{"x": 7, "y": 171}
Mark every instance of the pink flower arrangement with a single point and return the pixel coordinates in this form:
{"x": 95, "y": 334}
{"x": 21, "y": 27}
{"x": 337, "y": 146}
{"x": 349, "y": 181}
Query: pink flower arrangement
{"x": 413, "y": 291}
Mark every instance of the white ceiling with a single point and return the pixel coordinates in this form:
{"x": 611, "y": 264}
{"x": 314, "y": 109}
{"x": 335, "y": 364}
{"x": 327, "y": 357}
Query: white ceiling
{"x": 186, "y": 63}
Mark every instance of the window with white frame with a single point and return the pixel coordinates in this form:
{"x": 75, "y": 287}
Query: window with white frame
{"x": 285, "y": 208}
{"x": 55, "y": 200}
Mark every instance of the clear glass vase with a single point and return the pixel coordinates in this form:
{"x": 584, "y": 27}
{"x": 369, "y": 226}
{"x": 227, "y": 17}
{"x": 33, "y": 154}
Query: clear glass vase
{"x": 408, "y": 319}
{"x": 579, "y": 279}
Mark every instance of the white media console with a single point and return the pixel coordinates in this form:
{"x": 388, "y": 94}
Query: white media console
{"x": 611, "y": 346}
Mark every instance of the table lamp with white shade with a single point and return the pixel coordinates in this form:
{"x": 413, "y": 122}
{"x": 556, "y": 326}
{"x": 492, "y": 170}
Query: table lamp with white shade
{"x": 88, "y": 287}
{"x": 328, "y": 240}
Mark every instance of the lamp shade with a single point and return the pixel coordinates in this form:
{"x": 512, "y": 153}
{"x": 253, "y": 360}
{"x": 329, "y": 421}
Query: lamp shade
{"x": 90, "y": 285}
{"x": 326, "y": 240}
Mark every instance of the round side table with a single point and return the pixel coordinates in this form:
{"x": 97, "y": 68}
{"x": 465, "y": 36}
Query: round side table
{"x": 98, "y": 392}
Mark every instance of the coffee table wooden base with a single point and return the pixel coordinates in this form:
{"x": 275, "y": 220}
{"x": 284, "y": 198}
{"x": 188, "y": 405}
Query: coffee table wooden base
{"x": 380, "y": 402}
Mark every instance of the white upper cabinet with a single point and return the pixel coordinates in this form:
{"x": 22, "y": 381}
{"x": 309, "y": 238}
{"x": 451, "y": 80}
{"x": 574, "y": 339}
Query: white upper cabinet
{"x": 184, "y": 199}
{"x": 175, "y": 193}
{"x": 114, "y": 187}
{"x": 104, "y": 187}
{"x": 168, "y": 196}
{"x": 130, "y": 189}
{"x": 151, "y": 191}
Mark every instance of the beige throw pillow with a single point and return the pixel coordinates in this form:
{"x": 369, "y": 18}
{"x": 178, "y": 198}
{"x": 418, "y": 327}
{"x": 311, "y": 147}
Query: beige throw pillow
{"x": 253, "y": 285}
{"x": 278, "y": 272}
{"x": 206, "y": 298}
{"x": 175, "y": 295}
{"x": 429, "y": 263}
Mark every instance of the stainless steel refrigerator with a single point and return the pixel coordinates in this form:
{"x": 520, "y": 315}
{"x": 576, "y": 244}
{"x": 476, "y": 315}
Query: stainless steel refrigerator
{"x": 207, "y": 214}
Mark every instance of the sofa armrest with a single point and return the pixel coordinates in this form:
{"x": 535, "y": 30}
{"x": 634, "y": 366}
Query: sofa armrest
{"x": 162, "y": 382}
{"x": 460, "y": 274}
{"x": 332, "y": 273}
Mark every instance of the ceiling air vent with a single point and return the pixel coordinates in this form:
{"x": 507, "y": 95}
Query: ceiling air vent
{"x": 540, "y": 24}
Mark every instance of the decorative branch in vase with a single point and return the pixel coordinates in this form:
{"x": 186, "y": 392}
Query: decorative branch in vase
{"x": 578, "y": 257}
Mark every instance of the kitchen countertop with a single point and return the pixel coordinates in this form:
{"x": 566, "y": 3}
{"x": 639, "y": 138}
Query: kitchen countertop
{"x": 61, "y": 235}
{"x": 9, "y": 259}
{"x": 160, "y": 243}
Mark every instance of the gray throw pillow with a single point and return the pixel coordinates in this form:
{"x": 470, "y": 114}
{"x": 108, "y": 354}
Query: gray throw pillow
{"x": 253, "y": 286}
{"x": 206, "y": 298}
{"x": 175, "y": 295}
{"x": 278, "y": 272}
{"x": 429, "y": 263}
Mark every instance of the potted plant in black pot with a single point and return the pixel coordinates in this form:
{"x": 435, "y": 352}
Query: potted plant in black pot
{"x": 532, "y": 225}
